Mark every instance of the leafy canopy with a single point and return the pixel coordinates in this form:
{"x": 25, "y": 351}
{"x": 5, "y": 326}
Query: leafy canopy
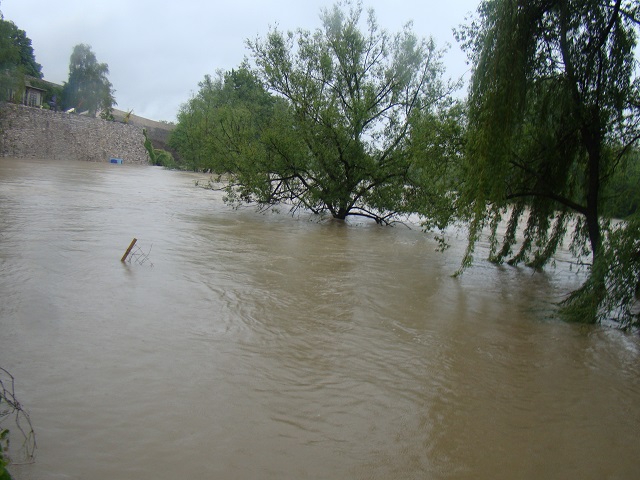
{"x": 554, "y": 111}
{"x": 16, "y": 60}
{"x": 210, "y": 123}
{"x": 88, "y": 87}
{"x": 334, "y": 134}
{"x": 17, "y": 49}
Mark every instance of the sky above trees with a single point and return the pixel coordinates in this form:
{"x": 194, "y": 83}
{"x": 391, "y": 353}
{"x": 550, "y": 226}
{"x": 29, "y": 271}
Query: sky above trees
{"x": 158, "y": 52}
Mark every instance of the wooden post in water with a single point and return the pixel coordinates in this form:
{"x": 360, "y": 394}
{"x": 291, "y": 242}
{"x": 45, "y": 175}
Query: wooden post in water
{"x": 124, "y": 257}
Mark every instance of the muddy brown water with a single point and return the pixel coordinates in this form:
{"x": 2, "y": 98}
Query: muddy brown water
{"x": 271, "y": 347}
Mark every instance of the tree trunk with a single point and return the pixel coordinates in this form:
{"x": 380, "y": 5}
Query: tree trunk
{"x": 340, "y": 214}
{"x": 593, "y": 226}
{"x": 593, "y": 145}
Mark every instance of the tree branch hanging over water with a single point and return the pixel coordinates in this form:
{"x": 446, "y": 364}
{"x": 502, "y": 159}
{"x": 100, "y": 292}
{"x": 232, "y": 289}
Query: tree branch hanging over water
{"x": 554, "y": 115}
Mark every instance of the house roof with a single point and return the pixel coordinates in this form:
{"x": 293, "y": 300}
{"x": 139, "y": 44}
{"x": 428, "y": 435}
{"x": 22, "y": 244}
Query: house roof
{"x": 28, "y": 85}
{"x": 29, "y": 81}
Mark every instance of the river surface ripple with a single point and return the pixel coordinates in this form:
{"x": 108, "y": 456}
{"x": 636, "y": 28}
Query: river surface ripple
{"x": 271, "y": 347}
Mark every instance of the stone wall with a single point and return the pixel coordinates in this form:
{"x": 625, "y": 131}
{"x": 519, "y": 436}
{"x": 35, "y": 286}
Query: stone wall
{"x": 158, "y": 132}
{"x": 27, "y": 132}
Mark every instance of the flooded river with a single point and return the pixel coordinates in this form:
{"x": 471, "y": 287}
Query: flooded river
{"x": 261, "y": 346}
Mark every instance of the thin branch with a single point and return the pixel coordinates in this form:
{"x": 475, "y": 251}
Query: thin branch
{"x": 15, "y": 410}
{"x": 552, "y": 196}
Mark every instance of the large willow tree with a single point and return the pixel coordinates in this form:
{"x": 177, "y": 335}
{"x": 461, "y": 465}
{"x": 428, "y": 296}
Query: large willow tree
{"x": 554, "y": 111}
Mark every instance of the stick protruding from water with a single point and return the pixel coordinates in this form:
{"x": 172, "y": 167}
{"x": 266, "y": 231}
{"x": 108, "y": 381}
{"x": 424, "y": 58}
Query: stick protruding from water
{"x": 126, "y": 254}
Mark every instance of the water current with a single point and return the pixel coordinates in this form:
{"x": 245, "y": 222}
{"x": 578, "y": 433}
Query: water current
{"x": 265, "y": 346}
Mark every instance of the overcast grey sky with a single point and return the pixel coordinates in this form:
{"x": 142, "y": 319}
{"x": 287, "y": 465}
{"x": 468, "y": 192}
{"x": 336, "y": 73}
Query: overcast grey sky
{"x": 158, "y": 51}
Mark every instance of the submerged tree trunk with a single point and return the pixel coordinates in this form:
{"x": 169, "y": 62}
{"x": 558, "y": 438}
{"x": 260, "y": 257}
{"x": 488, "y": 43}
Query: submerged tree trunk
{"x": 341, "y": 213}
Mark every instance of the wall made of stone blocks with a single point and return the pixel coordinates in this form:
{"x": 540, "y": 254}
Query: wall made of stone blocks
{"x": 27, "y": 132}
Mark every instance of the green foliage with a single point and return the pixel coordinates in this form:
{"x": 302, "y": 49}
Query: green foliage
{"x": 149, "y": 147}
{"x": 342, "y": 145}
{"x": 4, "y": 448}
{"x": 9, "y": 52}
{"x": 435, "y": 150}
{"x": 11, "y": 75}
{"x": 612, "y": 291}
{"x": 88, "y": 87}
{"x": 16, "y": 49}
{"x": 5, "y": 408}
{"x": 212, "y": 123}
{"x": 554, "y": 109}
{"x": 4, "y": 474}
{"x": 4, "y": 444}
{"x": 333, "y": 132}
{"x": 621, "y": 195}
{"x": 16, "y": 60}
{"x": 27, "y": 56}
{"x": 158, "y": 156}
{"x": 164, "y": 158}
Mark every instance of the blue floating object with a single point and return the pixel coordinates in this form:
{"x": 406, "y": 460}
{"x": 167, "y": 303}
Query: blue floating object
{"x": 116, "y": 160}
